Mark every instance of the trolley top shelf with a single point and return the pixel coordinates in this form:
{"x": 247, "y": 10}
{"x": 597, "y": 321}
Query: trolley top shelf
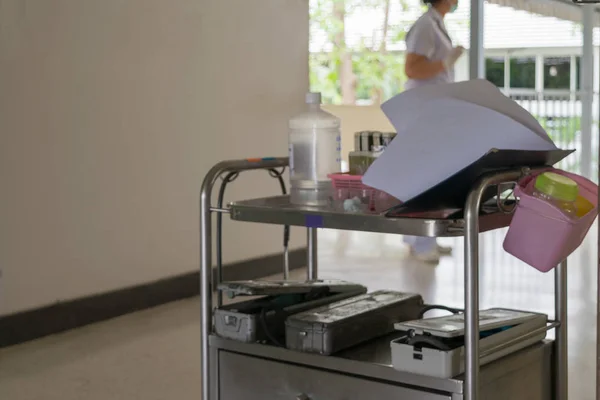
{"x": 278, "y": 210}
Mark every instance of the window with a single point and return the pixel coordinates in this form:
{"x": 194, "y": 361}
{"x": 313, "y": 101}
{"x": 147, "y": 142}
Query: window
{"x": 557, "y": 73}
{"x": 522, "y": 72}
{"x": 494, "y": 70}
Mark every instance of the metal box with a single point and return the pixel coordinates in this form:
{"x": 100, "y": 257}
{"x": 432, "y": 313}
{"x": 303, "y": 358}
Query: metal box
{"x": 262, "y": 319}
{"x": 502, "y": 332}
{"x": 338, "y": 326}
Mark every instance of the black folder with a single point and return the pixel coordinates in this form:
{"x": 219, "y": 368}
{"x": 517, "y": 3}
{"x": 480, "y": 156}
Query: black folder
{"x": 453, "y": 192}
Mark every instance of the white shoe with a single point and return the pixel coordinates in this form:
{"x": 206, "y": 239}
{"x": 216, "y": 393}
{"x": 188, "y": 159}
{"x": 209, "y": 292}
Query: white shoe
{"x": 430, "y": 257}
{"x": 444, "y": 250}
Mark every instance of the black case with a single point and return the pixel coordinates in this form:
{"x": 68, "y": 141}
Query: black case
{"x": 453, "y": 192}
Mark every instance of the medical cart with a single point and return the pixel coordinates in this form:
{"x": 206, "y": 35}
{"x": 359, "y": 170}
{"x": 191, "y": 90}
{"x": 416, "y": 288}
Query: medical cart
{"x": 249, "y": 371}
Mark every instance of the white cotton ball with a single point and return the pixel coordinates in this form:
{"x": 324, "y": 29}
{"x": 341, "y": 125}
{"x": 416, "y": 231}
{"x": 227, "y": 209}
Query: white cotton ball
{"x": 352, "y": 205}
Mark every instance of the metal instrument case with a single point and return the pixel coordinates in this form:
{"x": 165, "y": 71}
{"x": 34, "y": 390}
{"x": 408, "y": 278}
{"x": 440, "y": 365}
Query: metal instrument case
{"x": 243, "y": 321}
{"x": 523, "y": 329}
{"x": 346, "y": 323}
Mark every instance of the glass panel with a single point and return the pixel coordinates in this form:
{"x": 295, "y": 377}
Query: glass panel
{"x": 356, "y": 47}
{"x": 522, "y": 72}
{"x": 557, "y": 73}
{"x": 494, "y": 70}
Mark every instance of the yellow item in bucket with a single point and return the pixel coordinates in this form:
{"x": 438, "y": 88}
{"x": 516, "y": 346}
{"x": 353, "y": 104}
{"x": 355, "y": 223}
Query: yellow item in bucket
{"x": 583, "y": 206}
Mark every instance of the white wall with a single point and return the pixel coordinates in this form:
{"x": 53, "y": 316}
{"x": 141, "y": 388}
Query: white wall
{"x": 111, "y": 113}
{"x": 358, "y": 118}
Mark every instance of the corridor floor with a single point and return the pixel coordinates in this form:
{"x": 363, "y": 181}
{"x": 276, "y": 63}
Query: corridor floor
{"x": 155, "y": 354}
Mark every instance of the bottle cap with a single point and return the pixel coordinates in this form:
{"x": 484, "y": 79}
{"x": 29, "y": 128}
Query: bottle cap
{"x": 557, "y": 186}
{"x": 313, "y": 98}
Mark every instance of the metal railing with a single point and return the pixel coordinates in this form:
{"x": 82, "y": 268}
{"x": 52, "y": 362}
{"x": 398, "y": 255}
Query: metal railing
{"x": 559, "y": 112}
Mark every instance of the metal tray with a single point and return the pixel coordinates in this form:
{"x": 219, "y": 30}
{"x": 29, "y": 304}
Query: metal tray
{"x": 278, "y": 210}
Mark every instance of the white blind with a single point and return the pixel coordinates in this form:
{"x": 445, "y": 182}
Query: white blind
{"x": 560, "y": 9}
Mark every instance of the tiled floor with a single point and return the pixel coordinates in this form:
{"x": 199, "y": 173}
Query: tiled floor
{"x": 154, "y": 354}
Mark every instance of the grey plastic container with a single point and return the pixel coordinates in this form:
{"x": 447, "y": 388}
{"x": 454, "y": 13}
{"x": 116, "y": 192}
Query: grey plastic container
{"x": 346, "y": 323}
{"x": 527, "y": 329}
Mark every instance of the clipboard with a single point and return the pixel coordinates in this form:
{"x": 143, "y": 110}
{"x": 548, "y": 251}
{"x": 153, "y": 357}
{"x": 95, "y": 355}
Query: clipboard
{"x": 453, "y": 192}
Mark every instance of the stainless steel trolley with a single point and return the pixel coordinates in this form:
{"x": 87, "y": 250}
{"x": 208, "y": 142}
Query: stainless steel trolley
{"x": 236, "y": 371}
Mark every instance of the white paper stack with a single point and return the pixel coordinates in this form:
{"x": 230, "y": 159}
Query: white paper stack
{"x": 445, "y": 128}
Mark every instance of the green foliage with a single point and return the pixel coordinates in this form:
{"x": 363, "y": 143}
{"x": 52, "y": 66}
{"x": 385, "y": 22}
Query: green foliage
{"x": 324, "y": 78}
{"x": 379, "y": 74}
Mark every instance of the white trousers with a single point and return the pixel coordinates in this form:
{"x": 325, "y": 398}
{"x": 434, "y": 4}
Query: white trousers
{"x": 421, "y": 244}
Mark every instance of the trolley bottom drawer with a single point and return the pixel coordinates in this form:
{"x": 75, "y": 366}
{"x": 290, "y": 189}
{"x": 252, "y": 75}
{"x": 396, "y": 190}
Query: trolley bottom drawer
{"x": 250, "y": 378}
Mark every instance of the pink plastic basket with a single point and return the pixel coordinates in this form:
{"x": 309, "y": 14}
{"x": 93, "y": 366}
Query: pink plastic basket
{"x": 540, "y": 234}
{"x": 346, "y": 186}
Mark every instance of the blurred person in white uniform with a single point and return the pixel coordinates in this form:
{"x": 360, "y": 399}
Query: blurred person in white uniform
{"x": 430, "y": 59}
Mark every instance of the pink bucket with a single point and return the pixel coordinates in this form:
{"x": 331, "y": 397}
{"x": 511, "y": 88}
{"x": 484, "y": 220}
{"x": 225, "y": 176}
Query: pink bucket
{"x": 540, "y": 234}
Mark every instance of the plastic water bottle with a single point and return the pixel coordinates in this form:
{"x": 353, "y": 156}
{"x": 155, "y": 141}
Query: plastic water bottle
{"x": 558, "y": 190}
{"x": 315, "y": 152}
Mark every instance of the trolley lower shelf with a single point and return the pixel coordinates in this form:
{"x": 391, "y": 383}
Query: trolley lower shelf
{"x": 278, "y": 210}
{"x": 254, "y": 371}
